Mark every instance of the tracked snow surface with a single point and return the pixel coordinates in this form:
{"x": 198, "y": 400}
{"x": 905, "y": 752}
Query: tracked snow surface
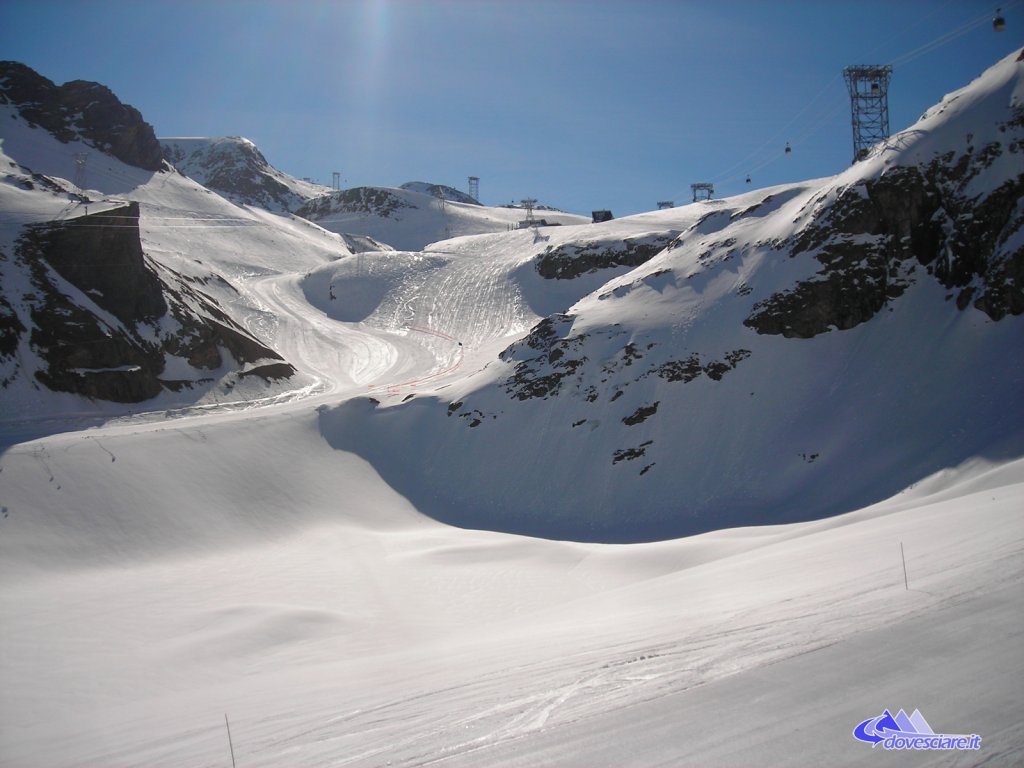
{"x": 632, "y": 493}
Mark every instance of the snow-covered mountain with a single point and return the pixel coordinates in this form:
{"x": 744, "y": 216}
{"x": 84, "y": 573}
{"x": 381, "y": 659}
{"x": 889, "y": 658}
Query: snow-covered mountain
{"x": 782, "y": 355}
{"x": 235, "y": 168}
{"x": 271, "y": 553}
{"x": 410, "y": 219}
{"x": 106, "y": 294}
{"x": 369, "y": 218}
{"x": 81, "y": 111}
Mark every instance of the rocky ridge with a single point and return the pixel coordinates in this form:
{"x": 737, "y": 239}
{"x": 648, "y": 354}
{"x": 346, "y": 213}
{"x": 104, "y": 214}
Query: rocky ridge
{"x": 374, "y": 201}
{"x": 81, "y": 110}
{"x": 234, "y": 167}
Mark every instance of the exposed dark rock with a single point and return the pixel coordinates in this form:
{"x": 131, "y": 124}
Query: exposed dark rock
{"x": 871, "y": 234}
{"x": 367, "y": 200}
{"x": 475, "y": 418}
{"x": 641, "y": 414}
{"x": 851, "y": 292}
{"x": 103, "y": 319}
{"x": 549, "y": 357}
{"x": 541, "y": 375}
{"x": 716, "y": 369}
{"x": 81, "y": 109}
{"x": 101, "y": 254}
{"x": 680, "y": 370}
{"x": 234, "y": 167}
{"x": 630, "y": 353}
{"x": 691, "y": 367}
{"x": 270, "y": 371}
{"x": 11, "y": 329}
{"x": 571, "y": 260}
{"x": 629, "y": 454}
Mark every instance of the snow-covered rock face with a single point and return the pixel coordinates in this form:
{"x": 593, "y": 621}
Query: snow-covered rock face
{"x": 569, "y": 260}
{"x": 234, "y": 167}
{"x": 126, "y": 290}
{"x": 102, "y": 323}
{"x": 877, "y": 236}
{"x": 758, "y": 366}
{"x": 81, "y": 110}
{"x": 440, "y": 191}
{"x": 370, "y": 201}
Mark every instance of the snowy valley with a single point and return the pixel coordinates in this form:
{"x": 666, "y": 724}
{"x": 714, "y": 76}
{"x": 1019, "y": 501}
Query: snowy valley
{"x": 391, "y": 479}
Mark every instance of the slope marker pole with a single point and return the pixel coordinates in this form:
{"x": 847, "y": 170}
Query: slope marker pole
{"x": 904, "y": 559}
{"x": 230, "y": 745}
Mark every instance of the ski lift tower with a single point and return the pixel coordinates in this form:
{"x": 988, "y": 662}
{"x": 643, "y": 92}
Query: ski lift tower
{"x": 702, "y": 191}
{"x": 528, "y": 204}
{"x": 869, "y": 105}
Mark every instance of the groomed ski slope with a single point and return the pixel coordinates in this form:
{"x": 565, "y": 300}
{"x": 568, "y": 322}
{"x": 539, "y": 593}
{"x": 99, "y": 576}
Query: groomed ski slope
{"x": 172, "y": 566}
{"x": 159, "y": 573}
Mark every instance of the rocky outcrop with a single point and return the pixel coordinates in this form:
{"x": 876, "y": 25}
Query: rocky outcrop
{"x": 235, "y": 168}
{"x": 551, "y": 360}
{"x": 81, "y": 110}
{"x": 101, "y": 255}
{"x": 564, "y": 262}
{"x": 103, "y": 322}
{"x": 872, "y": 237}
{"x": 11, "y": 329}
{"x": 367, "y": 200}
{"x": 544, "y": 358}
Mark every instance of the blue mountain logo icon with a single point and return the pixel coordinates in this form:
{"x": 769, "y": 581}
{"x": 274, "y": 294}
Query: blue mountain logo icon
{"x": 902, "y": 731}
{"x": 876, "y": 729}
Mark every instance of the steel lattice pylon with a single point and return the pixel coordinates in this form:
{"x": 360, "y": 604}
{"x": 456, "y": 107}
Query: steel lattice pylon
{"x": 703, "y": 191}
{"x": 869, "y": 104}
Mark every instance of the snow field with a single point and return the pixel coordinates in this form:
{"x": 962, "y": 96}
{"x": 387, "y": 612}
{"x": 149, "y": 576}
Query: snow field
{"x": 270, "y": 556}
{"x": 354, "y": 631}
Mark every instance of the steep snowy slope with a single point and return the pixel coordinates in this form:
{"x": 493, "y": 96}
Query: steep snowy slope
{"x": 134, "y": 288}
{"x": 792, "y": 353}
{"x": 408, "y": 219}
{"x": 234, "y": 167}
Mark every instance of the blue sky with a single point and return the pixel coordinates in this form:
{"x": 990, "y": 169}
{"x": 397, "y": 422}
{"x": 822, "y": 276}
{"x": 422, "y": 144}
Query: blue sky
{"x": 583, "y": 105}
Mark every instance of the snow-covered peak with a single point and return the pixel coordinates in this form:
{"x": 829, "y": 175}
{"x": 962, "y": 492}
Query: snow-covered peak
{"x": 82, "y": 112}
{"x": 234, "y": 167}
